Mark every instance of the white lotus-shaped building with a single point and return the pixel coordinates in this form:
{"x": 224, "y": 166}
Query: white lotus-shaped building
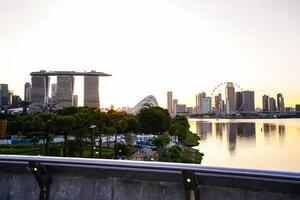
{"x": 149, "y": 101}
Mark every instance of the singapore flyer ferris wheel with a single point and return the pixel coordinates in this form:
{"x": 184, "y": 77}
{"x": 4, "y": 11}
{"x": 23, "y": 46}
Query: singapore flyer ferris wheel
{"x": 228, "y": 98}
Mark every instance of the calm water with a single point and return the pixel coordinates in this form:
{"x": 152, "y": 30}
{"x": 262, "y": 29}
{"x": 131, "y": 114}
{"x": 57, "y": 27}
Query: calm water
{"x": 272, "y": 144}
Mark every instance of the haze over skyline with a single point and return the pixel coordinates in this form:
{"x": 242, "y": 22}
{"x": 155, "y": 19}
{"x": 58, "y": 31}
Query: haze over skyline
{"x": 154, "y": 47}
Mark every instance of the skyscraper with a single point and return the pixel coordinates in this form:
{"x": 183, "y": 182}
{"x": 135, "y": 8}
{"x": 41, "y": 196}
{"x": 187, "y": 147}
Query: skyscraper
{"x": 265, "y": 103}
{"x": 10, "y": 96}
{"x": 230, "y": 98}
{"x": 75, "y": 100}
{"x": 205, "y": 105}
{"x": 245, "y": 101}
{"x": 219, "y": 103}
{"x": 272, "y": 104}
{"x": 91, "y": 91}
{"x": 40, "y": 89}
{"x": 16, "y": 101}
{"x": 27, "y": 92}
{"x": 199, "y": 98}
{"x": 239, "y": 100}
{"x": 65, "y": 88}
{"x": 280, "y": 103}
{"x": 175, "y": 103}
{"x": 170, "y": 102}
{"x": 3, "y": 94}
{"x": 54, "y": 93}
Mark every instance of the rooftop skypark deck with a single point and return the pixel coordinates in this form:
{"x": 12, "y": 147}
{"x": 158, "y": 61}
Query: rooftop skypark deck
{"x": 68, "y": 73}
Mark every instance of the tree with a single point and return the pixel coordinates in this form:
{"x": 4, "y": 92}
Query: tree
{"x": 160, "y": 141}
{"x": 83, "y": 122}
{"x": 65, "y": 125}
{"x": 154, "y": 120}
{"x": 45, "y": 123}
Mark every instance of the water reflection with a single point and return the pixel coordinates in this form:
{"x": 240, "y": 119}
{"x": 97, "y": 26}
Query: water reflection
{"x": 244, "y": 132}
{"x": 270, "y": 131}
{"x": 250, "y": 143}
{"x": 204, "y": 129}
{"x": 219, "y": 130}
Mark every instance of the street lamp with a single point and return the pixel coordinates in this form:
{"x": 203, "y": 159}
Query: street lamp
{"x": 92, "y": 127}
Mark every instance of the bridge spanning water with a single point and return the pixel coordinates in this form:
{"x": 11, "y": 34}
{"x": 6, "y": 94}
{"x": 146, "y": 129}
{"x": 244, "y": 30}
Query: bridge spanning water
{"x": 29, "y": 177}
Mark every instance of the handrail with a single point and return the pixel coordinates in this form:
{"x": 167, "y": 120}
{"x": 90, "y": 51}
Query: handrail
{"x": 191, "y": 175}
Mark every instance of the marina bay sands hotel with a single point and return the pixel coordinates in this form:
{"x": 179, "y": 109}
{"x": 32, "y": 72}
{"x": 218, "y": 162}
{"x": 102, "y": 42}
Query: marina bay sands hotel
{"x": 65, "y": 87}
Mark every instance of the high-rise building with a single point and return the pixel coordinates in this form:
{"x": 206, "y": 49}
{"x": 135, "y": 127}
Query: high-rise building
{"x": 218, "y": 103}
{"x": 175, "y": 103}
{"x": 3, "y": 94}
{"x": 239, "y": 100}
{"x": 40, "y": 89}
{"x": 10, "y": 96}
{"x": 280, "y": 103}
{"x": 265, "y": 103}
{"x": 65, "y": 89}
{"x": 205, "y": 105}
{"x": 54, "y": 93}
{"x": 272, "y": 104}
{"x": 230, "y": 98}
{"x": 16, "y": 101}
{"x": 245, "y": 101}
{"x": 170, "y": 101}
{"x": 75, "y": 100}
{"x": 199, "y": 98}
{"x": 180, "y": 108}
{"x": 91, "y": 91}
{"x": 27, "y": 92}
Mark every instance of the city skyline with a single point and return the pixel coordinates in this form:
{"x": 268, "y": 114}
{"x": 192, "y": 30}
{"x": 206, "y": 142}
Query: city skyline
{"x": 187, "y": 47}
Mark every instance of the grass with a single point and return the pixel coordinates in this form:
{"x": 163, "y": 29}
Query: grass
{"x": 55, "y": 150}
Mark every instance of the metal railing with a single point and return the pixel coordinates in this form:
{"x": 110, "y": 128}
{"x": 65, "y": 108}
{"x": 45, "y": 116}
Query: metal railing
{"x": 190, "y": 175}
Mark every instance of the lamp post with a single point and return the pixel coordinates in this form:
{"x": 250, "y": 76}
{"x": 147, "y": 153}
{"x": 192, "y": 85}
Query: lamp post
{"x": 92, "y": 127}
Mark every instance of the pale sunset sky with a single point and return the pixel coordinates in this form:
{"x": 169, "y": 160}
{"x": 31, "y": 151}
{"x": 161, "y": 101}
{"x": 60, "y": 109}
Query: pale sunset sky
{"x": 151, "y": 47}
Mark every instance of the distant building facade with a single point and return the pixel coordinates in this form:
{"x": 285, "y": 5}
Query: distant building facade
{"x": 265, "y": 103}
{"x": 199, "y": 98}
{"x": 75, "y": 100}
{"x": 65, "y": 88}
{"x": 40, "y": 88}
{"x": 54, "y": 93}
{"x": 280, "y": 103}
{"x": 170, "y": 101}
{"x": 245, "y": 101}
{"x": 10, "y": 96}
{"x": 4, "y": 94}
{"x": 27, "y": 92}
{"x": 91, "y": 91}
{"x": 180, "y": 108}
{"x": 16, "y": 101}
{"x": 175, "y": 103}
{"x": 272, "y": 104}
{"x": 205, "y": 105}
{"x": 219, "y": 103}
{"x": 230, "y": 98}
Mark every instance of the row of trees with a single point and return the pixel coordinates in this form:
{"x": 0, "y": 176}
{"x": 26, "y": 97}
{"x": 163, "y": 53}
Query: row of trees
{"x": 85, "y": 122}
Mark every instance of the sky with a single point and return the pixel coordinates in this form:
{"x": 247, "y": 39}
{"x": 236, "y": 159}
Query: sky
{"x": 151, "y": 47}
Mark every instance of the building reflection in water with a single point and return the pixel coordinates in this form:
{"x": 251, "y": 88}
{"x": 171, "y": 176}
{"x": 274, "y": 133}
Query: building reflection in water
{"x": 270, "y": 130}
{"x": 243, "y": 132}
{"x": 204, "y": 129}
{"x": 219, "y": 130}
{"x": 231, "y": 134}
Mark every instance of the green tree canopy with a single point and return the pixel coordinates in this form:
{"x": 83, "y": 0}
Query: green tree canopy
{"x": 154, "y": 120}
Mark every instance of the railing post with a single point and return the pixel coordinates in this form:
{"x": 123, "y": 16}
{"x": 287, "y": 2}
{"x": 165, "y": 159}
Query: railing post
{"x": 43, "y": 178}
{"x": 191, "y": 185}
